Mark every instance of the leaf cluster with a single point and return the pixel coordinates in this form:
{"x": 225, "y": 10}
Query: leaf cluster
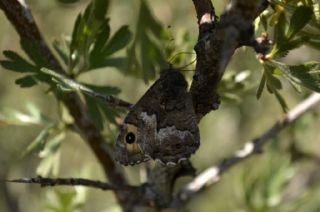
{"x": 294, "y": 23}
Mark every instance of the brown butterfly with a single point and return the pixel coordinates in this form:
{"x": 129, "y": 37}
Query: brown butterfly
{"x": 162, "y": 125}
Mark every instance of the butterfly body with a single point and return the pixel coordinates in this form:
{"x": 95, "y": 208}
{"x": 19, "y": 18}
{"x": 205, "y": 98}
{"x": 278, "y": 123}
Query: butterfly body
{"x": 162, "y": 125}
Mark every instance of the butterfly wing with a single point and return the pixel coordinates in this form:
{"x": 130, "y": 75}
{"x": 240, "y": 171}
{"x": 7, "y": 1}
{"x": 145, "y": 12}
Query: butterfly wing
{"x": 163, "y": 123}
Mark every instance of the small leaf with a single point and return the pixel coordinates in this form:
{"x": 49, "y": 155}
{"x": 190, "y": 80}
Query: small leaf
{"x": 32, "y": 50}
{"x": 51, "y": 156}
{"x": 100, "y": 8}
{"x": 146, "y": 15}
{"x": 119, "y": 40}
{"x": 27, "y": 81}
{"x": 110, "y": 113}
{"x": 108, "y": 90}
{"x": 17, "y": 63}
{"x": 261, "y": 86}
{"x": 281, "y": 101}
{"x": 40, "y": 141}
{"x": 62, "y": 52}
{"x": 314, "y": 43}
{"x": 299, "y": 19}
{"x": 284, "y": 48}
{"x": 279, "y": 29}
{"x": 75, "y": 33}
{"x": 146, "y": 54}
{"x": 116, "y": 62}
{"x": 273, "y": 82}
{"x": 100, "y": 41}
{"x": 94, "y": 111}
{"x": 307, "y": 74}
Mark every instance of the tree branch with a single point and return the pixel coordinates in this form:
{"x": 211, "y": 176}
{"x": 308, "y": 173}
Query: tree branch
{"x": 76, "y": 86}
{"x": 44, "y": 182}
{"x": 212, "y": 175}
{"x": 217, "y": 42}
{"x": 21, "y": 18}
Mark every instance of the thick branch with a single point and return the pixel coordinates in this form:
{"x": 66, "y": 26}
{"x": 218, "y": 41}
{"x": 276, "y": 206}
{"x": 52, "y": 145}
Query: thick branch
{"x": 216, "y": 43}
{"x": 44, "y": 181}
{"x": 212, "y": 175}
{"x": 21, "y": 18}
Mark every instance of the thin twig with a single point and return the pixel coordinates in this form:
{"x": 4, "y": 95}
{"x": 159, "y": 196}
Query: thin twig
{"x": 76, "y": 86}
{"x": 212, "y": 175}
{"x": 44, "y": 182}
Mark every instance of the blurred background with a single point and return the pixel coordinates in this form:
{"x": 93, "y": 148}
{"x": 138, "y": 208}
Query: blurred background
{"x": 284, "y": 178}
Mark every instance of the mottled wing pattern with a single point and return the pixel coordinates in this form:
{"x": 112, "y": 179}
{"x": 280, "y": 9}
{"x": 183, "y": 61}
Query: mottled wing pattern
{"x": 162, "y": 125}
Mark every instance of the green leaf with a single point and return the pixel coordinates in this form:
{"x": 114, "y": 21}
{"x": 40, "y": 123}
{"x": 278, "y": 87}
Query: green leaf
{"x": 100, "y": 8}
{"x": 101, "y": 40}
{"x": 97, "y": 107}
{"x": 40, "y": 141}
{"x": 261, "y": 86}
{"x": 94, "y": 111}
{"x": 108, "y": 90}
{"x": 279, "y": 29}
{"x": 314, "y": 43}
{"x": 51, "y": 156}
{"x": 292, "y": 44}
{"x": 299, "y": 19}
{"x": 62, "y": 52}
{"x": 307, "y": 74}
{"x": 281, "y": 100}
{"x": 17, "y": 63}
{"x": 146, "y": 15}
{"x": 273, "y": 81}
{"x": 146, "y": 53}
{"x": 33, "y": 52}
{"x": 119, "y": 40}
{"x": 117, "y": 62}
{"x": 27, "y": 81}
{"x": 76, "y": 33}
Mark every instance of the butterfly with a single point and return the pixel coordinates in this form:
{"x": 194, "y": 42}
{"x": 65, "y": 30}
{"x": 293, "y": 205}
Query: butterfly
{"x": 162, "y": 125}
